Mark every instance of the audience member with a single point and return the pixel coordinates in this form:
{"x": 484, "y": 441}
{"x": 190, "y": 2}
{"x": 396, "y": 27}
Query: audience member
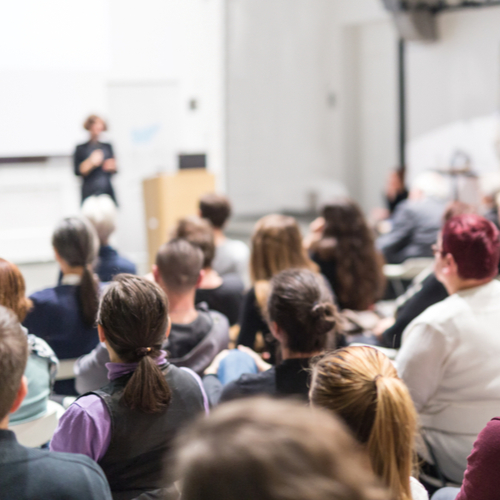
{"x": 416, "y": 221}
{"x": 425, "y": 291}
{"x": 64, "y": 315}
{"x": 276, "y": 246}
{"x": 273, "y": 450}
{"x": 449, "y": 354}
{"x": 489, "y": 185}
{"x": 231, "y": 256}
{"x": 361, "y": 385}
{"x": 481, "y": 476}
{"x": 301, "y": 317}
{"x": 101, "y": 211}
{"x": 222, "y": 293}
{"x": 27, "y": 473}
{"x": 395, "y": 190}
{"x": 128, "y": 425}
{"x": 197, "y": 334}
{"x": 42, "y": 363}
{"x": 342, "y": 245}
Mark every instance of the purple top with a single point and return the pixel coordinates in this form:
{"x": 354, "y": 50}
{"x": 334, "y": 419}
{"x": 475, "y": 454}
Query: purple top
{"x": 85, "y": 426}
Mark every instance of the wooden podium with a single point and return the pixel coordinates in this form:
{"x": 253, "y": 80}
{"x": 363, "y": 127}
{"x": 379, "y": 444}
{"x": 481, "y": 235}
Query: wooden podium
{"x": 168, "y": 198}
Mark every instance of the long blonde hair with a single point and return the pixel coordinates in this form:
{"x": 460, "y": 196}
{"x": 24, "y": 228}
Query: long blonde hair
{"x": 361, "y": 385}
{"x": 276, "y": 246}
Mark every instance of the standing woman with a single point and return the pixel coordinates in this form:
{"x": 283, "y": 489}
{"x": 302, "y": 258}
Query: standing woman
{"x": 64, "y": 315}
{"x": 129, "y": 425}
{"x": 95, "y": 161}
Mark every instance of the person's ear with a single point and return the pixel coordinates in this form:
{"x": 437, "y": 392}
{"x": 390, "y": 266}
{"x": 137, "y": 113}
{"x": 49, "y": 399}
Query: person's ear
{"x": 21, "y": 394}
{"x": 450, "y": 267}
{"x": 200, "y": 278}
{"x": 169, "y": 327}
{"x": 277, "y": 332}
{"x": 156, "y": 273}
{"x": 100, "y": 332}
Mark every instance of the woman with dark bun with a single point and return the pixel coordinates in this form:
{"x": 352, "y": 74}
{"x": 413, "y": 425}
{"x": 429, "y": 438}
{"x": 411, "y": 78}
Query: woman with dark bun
{"x": 302, "y": 317}
{"x": 95, "y": 161}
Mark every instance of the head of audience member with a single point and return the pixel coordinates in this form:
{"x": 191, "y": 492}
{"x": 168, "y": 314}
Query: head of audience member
{"x": 273, "y": 450}
{"x": 95, "y": 125}
{"x": 13, "y": 290}
{"x": 361, "y": 386}
{"x": 467, "y": 252}
{"x": 101, "y": 212}
{"x": 347, "y": 240}
{"x": 200, "y": 233}
{"x": 216, "y": 208}
{"x": 455, "y": 208}
{"x": 300, "y": 312}
{"x": 276, "y": 246}
{"x": 429, "y": 185}
{"x": 133, "y": 323}
{"x": 75, "y": 245}
{"x": 178, "y": 269}
{"x": 13, "y": 358}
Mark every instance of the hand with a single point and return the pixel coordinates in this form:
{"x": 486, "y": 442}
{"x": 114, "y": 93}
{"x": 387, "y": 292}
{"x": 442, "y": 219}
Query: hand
{"x": 262, "y": 366}
{"x": 214, "y": 365}
{"x": 109, "y": 165}
{"x": 382, "y": 326}
{"x": 96, "y": 157}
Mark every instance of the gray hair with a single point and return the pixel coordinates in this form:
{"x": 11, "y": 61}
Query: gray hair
{"x": 101, "y": 212}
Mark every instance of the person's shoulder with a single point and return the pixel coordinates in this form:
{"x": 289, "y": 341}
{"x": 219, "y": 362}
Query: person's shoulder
{"x": 65, "y": 468}
{"x": 217, "y": 318}
{"x": 256, "y": 383}
{"x": 418, "y": 492}
{"x": 233, "y": 282}
{"x": 46, "y": 296}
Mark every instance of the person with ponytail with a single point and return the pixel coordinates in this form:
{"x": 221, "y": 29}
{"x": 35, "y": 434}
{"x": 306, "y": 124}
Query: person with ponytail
{"x": 303, "y": 319}
{"x": 361, "y": 385}
{"x": 64, "y": 315}
{"x": 128, "y": 426}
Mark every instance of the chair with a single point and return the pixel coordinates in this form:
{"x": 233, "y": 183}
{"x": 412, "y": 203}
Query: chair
{"x": 39, "y": 432}
{"x": 409, "y": 269}
{"x": 66, "y": 369}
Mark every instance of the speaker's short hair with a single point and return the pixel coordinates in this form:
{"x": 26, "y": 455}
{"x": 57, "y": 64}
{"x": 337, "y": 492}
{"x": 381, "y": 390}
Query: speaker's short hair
{"x": 215, "y": 208}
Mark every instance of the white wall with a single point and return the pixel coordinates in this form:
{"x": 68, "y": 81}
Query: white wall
{"x": 63, "y": 64}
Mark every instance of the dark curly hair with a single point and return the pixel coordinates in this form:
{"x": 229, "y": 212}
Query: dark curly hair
{"x": 348, "y": 241}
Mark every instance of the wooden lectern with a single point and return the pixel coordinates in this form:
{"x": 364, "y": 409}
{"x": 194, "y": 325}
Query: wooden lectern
{"x": 168, "y": 198}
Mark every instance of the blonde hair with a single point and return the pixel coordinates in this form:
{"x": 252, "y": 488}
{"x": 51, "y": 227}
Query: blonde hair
{"x": 361, "y": 385}
{"x": 276, "y": 246}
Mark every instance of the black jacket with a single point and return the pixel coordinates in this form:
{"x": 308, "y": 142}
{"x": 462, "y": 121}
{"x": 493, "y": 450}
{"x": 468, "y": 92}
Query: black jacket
{"x": 32, "y": 474}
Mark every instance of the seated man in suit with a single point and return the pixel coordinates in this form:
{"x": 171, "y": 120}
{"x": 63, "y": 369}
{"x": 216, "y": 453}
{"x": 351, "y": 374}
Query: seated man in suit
{"x": 197, "y": 334}
{"x": 449, "y": 354}
{"x": 416, "y": 221}
{"x": 101, "y": 212}
{"x": 31, "y": 474}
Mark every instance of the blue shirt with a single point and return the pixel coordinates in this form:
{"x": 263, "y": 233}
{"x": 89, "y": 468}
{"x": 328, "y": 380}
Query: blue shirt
{"x": 110, "y": 264}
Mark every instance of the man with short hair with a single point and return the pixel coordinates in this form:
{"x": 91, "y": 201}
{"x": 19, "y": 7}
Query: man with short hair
{"x": 222, "y": 293}
{"x": 416, "y": 221}
{"x": 273, "y": 450}
{"x": 31, "y": 474}
{"x": 197, "y": 334}
{"x": 450, "y": 354}
{"x": 231, "y": 256}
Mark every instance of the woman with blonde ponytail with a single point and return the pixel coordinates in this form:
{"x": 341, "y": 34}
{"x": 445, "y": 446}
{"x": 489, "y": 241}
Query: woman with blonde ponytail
{"x": 128, "y": 426}
{"x": 64, "y": 316}
{"x": 361, "y": 385}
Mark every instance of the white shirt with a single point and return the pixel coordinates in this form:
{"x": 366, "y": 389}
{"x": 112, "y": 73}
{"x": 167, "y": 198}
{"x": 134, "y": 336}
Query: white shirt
{"x": 450, "y": 361}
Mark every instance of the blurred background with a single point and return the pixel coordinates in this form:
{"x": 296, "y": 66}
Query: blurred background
{"x": 289, "y": 102}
